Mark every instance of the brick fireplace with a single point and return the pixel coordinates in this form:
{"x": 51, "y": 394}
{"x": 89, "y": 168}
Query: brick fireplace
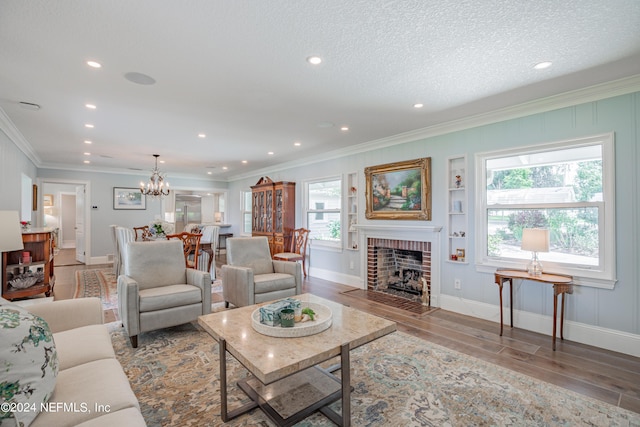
{"x": 402, "y": 259}
{"x": 399, "y": 267}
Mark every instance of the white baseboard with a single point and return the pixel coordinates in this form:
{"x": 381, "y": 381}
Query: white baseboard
{"x": 610, "y": 339}
{"x": 98, "y": 260}
{"x": 333, "y": 276}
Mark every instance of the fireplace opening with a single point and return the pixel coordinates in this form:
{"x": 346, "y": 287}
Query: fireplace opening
{"x": 400, "y": 268}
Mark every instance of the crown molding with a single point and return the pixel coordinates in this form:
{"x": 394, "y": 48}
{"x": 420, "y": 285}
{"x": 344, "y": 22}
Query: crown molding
{"x": 554, "y": 102}
{"x": 7, "y": 126}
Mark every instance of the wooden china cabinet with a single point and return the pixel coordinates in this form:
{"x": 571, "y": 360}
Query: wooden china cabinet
{"x": 274, "y": 212}
{"x": 38, "y": 247}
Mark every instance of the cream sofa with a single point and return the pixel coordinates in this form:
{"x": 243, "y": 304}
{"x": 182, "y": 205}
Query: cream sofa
{"x": 90, "y": 381}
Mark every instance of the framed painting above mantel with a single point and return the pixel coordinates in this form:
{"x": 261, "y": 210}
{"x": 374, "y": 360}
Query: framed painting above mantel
{"x": 400, "y": 190}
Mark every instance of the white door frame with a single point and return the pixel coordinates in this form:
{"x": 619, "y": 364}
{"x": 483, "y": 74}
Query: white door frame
{"x": 87, "y": 209}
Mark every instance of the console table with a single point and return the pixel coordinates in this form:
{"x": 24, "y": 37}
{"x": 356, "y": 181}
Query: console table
{"x": 562, "y": 284}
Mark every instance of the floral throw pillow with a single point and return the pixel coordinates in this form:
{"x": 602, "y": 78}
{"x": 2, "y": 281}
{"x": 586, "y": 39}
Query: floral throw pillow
{"x": 28, "y": 364}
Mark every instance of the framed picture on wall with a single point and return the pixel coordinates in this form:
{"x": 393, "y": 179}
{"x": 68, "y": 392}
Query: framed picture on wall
{"x": 400, "y": 190}
{"x": 128, "y": 198}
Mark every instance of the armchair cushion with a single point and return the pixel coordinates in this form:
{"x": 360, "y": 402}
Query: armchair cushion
{"x": 156, "y": 263}
{"x": 252, "y": 252}
{"x": 169, "y": 296}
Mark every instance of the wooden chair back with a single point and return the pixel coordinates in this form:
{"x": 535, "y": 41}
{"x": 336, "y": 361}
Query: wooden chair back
{"x": 142, "y": 233}
{"x": 190, "y": 247}
{"x": 299, "y": 241}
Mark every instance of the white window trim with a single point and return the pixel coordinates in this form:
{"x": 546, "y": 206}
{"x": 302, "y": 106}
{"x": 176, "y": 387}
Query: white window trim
{"x": 243, "y": 211}
{"x": 323, "y": 244}
{"x": 604, "y": 277}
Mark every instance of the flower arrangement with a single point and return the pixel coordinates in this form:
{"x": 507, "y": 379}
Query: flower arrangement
{"x": 160, "y": 228}
{"x": 25, "y": 224}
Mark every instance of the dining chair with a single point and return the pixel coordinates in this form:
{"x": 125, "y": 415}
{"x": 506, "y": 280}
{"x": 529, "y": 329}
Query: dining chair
{"x": 124, "y": 235}
{"x": 190, "y": 247}
{"x": 298, "y": 250}
{"x": 142, "y": 233}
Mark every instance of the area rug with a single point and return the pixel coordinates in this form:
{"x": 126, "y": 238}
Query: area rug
{"x": 398, "y": 380}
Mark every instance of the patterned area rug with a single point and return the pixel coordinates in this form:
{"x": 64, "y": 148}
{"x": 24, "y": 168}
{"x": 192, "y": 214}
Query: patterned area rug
{"x": 398, "y": 380}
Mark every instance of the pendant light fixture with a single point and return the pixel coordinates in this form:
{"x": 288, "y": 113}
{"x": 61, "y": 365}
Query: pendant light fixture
{"x": 156, "y": 187}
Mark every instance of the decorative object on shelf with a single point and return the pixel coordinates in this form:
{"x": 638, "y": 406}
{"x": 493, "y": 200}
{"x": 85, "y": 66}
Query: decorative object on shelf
{"x": 24, "y": 281}
{"x": 400, "y": 190}
{"x": 458, "y": 181}
{"x": 460, "y": 254}
{"x": 156, "y": 187}
{"x": 354, "y": 190}
{"x": 25, "y": 224}
{"x": 128, "y": 198}
{"x": 535, "y": 240}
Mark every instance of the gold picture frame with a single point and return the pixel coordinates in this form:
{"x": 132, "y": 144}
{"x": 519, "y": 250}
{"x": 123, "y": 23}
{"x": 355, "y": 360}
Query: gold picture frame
{"x": 400, "y": 190}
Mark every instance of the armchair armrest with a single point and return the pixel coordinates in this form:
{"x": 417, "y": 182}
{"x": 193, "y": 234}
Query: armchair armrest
{"x": 201, "y": 279}
{"x": 238, "y": 286}
{"x": 70, "y": 314}
{"x": 292, "y": 268}
{"x": 129, "y": 304}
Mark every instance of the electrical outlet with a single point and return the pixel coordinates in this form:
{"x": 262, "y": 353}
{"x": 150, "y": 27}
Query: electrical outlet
{"x": 456, "y": 283}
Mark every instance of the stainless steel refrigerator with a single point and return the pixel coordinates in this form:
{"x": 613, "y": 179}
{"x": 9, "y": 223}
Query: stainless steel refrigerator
{"x": 188, "y": 210}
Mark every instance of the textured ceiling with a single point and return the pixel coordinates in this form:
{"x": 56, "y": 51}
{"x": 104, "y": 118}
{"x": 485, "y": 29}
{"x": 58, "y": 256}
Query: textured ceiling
{"x": 236, "y": 71}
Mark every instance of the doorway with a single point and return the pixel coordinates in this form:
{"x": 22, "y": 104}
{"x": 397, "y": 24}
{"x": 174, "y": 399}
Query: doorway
{"x": 66, "y": 213}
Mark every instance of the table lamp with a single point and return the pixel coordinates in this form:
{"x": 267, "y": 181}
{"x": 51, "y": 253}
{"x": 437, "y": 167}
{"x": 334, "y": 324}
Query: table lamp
{"x": 535, "y": 240}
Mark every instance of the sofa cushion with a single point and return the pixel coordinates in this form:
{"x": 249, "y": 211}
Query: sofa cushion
{"x": 95, "y": 343}
{"x": 90, "y": 390}
{"x": 169, "y": 296}
{"x": 28, "y": 362}
{"x": 129, "y": 417}
{"x": 273, "y": 282}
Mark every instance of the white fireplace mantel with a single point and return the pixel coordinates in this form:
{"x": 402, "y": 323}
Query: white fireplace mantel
{"x": 422, "y": 233}
{"x": 400, "y": 228}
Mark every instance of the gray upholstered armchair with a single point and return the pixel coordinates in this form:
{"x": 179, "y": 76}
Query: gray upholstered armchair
{"x": 251, "y": 276}
{"x": 157, "y": 291}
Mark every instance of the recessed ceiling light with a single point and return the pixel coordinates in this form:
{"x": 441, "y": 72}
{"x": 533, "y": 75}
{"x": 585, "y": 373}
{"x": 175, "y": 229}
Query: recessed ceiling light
{"x": 94, "y": 64}
{"x": 86, "y": 141}
{"x": 87, "y": 154}
{"x": 90, "y": 106}
{"x": 86, "y": 161}
{"x": 224, "y": 168}
{"x": 270, "y": 153}
{"x": 161, "y": 161}
{"x": 297, "y": 144}
{"x": 202, "y": 135}
{"x": 245, "y": 162}
{"x": 344, "y": 128}
{"x": 314, "y": 60}
{"x": 418, "y": 105}
{"x": 542, "y": 65}
{"x": 89, "y": 125}
{"x": 209, "y": 173}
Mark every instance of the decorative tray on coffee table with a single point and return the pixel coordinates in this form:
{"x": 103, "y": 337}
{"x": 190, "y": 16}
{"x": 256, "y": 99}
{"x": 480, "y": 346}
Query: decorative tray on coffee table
{"x": 322, "y": 320}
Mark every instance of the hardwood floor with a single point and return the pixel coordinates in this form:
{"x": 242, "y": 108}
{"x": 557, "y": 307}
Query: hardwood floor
{"x": 601, "y": 374}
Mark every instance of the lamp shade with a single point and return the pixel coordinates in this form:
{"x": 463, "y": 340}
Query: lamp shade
{"x": 535, "y": 240}
{"x": 10, "y": 233}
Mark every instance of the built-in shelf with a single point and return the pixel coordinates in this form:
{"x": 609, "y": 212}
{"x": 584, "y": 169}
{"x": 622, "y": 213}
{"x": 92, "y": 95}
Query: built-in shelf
{"x": 457, "y": 209}
{"x": 352, "y": 212}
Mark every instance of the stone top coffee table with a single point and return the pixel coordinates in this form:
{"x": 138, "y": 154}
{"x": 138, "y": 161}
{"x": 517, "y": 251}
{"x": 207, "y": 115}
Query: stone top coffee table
{"x": 286, "y": 382}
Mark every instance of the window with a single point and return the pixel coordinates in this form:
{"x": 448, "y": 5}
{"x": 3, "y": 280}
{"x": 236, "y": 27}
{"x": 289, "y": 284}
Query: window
{"x": 245, "y": 208}
{"x": 323, "y": 210}
{"x": 564, "y": 187}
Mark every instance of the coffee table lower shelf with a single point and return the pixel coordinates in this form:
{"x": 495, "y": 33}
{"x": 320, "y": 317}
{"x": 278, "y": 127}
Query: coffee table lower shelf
{"x": 296, "y": 397}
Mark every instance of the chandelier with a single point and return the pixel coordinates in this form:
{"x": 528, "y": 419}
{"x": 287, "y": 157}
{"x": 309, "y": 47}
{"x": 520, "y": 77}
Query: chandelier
{"x": 156, "y": 187}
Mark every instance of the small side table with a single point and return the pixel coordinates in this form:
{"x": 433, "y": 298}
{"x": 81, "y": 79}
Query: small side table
{"x": 562, "y": 284}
